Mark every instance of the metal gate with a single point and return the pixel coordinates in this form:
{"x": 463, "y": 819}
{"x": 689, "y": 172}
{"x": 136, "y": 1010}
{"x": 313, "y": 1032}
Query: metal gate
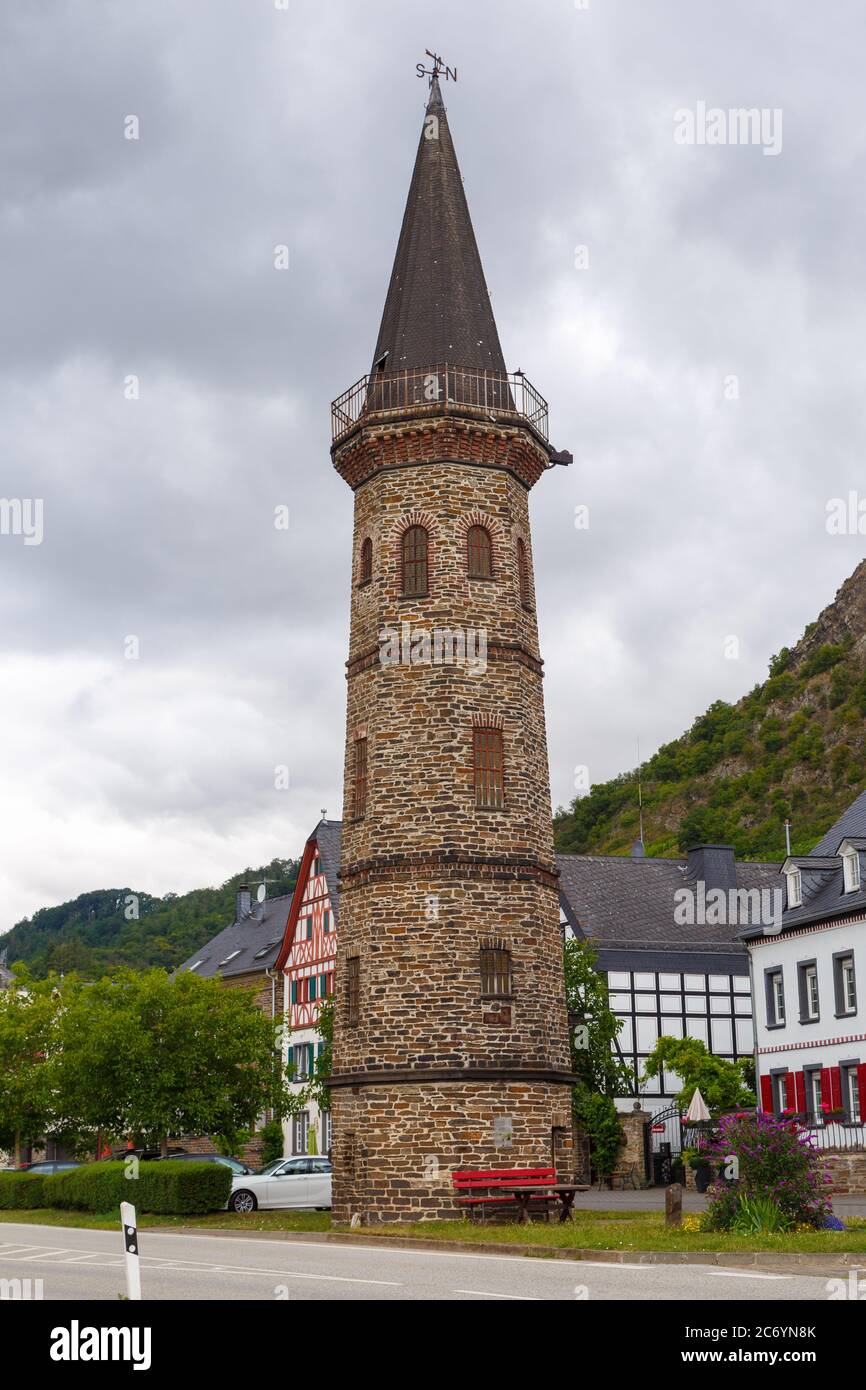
{"x": 667, "y": 1143}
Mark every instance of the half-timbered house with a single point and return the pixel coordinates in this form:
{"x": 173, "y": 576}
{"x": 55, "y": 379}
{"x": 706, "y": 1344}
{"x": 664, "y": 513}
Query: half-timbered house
{"x": 666, "y": 933}
{"x": 306, "y": 960}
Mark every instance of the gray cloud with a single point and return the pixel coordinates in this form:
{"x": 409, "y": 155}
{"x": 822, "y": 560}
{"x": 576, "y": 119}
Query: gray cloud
{"x": 154, "y": 257}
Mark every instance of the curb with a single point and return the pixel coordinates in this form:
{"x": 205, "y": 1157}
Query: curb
{"x": 770, "y": 1260}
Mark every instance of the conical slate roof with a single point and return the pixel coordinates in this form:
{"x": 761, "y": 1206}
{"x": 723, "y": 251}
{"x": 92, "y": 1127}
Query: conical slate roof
{"x": 438, "y": 307}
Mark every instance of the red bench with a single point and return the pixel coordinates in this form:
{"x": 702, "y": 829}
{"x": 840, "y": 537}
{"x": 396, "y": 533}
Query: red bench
{"x": 482, "y": 1187}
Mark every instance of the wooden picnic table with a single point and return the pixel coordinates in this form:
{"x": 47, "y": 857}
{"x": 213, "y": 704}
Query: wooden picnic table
{"x": 565, "y": 1191}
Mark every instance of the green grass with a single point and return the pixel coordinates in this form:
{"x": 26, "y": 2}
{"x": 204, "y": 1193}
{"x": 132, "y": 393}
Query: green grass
{"x": 597, "y": 1230}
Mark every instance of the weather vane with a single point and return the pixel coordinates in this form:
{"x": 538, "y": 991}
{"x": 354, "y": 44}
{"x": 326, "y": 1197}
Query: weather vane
{"x": 437, "y": 69}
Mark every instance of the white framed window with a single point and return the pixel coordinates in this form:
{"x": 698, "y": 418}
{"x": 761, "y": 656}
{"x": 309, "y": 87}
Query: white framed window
{"x": 851, "y": 870}
{"x": 813, "y": 1092}
{"x": 327, "y": 1131}
{"x": 811, "y": 983}
{"x": 300, "y": 1132}
{"x": 849, "y": 988}
{"x": 852, "y": 1093}
{"x": 775, "y": 998}
{"x": 795, "y": 887}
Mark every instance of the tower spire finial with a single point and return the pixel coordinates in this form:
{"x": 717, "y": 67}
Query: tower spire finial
{"x": 437, "y": 309}
{"x": 434, "y": 72}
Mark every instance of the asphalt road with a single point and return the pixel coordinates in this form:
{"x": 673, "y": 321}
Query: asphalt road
{"x": 80, "y": 1264}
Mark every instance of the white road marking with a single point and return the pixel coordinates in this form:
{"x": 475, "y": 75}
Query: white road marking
{"x": 39, "y": 1252}
{"x": 747, "y": 1274}
{"x": 614, "y": 1264}
{"x": 483, "y": 1293}
{"x": 102, "y": 1259}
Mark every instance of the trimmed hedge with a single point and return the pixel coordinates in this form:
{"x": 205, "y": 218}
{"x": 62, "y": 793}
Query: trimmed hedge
{"x": 164, "y": 1188}
{"x": 21, "y": 1191}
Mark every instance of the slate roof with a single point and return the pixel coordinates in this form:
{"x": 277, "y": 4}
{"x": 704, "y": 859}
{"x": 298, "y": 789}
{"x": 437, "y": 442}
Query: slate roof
{"x": 625, "y": 903}
{"x": 328, "y": 835}
{"x": 437, "y": 309}
{"x": 257, "y": 941}
{"x": 822, "y": 876}
{"x": 851, "y": 824}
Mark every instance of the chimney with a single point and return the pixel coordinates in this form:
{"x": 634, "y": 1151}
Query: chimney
{"x": 713, "y": 865}
{"x": 243, "y": 908}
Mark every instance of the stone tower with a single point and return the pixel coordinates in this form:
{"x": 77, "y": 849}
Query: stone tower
{"x": 450, "y": 1043}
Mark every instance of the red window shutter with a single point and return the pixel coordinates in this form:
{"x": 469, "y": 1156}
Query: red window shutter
{"x": 800, "y": 1090}
{"x": 835, "y": 1088}
{"x": 767, "y": 1094}
{"x": 861, "y": 1087}
{"x": 826, "y": 1087}
{"x": 790, "y": 1096}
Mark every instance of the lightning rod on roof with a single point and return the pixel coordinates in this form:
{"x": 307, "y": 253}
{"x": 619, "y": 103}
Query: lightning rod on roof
{"x": 788, "y": 837}
{"x": 639, "y": 793}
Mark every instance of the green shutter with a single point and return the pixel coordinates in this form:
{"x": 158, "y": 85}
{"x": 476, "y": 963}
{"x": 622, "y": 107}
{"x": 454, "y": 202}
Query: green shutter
{"x": 312, "y": 986}
{"x": 294, "y": 991}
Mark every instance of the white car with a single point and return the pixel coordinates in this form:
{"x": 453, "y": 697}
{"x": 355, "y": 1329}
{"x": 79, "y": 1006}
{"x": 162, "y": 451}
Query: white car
{"x": 291, "y": 1182}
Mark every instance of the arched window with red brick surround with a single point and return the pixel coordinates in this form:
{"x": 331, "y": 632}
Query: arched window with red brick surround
{"x": 366, "y": 561}
{"x": 523, "y": 574}
{"x": 414, "y": 561}
{"x": 480, "y": 553}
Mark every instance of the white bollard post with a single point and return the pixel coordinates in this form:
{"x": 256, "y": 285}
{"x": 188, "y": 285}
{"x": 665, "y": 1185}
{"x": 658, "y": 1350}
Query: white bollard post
{"x": 130, "y": 1242}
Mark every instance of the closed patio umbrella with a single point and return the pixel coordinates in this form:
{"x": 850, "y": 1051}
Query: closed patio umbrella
{"x": 697, "y": 1112}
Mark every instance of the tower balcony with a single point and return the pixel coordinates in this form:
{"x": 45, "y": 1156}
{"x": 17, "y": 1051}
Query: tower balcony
{"x": 475, "y": 393}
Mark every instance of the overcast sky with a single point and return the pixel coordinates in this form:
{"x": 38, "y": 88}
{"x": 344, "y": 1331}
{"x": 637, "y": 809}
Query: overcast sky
{"x": 153, "y": 258}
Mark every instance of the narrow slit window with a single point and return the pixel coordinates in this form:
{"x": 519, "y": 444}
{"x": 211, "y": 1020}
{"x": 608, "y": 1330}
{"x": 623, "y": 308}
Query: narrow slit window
{"x": 360, "y": 778}
{"x": 489, "y": 780}
{"x": 523, "y": 574}
{"x": 353, "y": 988}
{"x": 415, "y": 557}
{"x": 480, "y": 553}
{"x": 367, "y": 561}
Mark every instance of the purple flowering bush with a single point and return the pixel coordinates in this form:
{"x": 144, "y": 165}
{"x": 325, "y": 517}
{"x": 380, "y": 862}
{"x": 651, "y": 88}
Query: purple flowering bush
{"x": 773, "y": 1160}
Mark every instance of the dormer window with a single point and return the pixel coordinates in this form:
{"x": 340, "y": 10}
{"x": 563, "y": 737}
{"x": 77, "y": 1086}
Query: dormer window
{"x": 795, "y": 888}
{"x": 851, "y": 870}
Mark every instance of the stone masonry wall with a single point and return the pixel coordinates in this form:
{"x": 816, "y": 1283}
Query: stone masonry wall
{"x": 426, "y": 876}
{"x": 395, "y": 1148}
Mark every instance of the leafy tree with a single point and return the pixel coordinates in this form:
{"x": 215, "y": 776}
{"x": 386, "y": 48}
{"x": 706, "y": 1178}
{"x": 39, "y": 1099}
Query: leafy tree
{"x": 100, "y": 930}
{"x": 273, "y": 1142}
{"x": 722, "y": 1084}
{"x": 28, "y": 1047}
{"x": 593, "y": 1026}
{"x": 155, "y": 1058}
{"x": 598, "y": 1117}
